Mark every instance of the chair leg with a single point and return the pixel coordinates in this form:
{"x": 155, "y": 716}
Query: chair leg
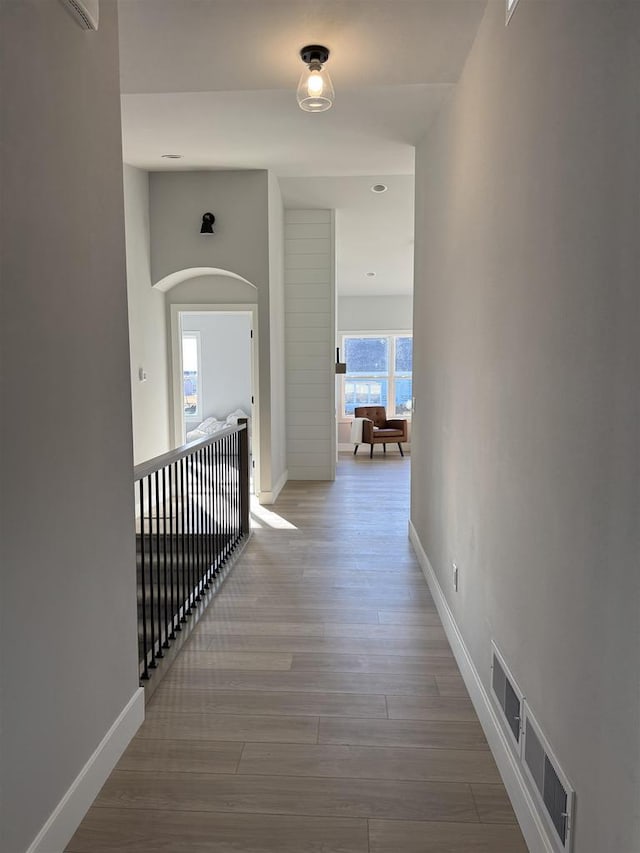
{"x": 384, "y": 448}
{"x": 400, "y": 449}
{"x": 356, "y": 449}
{"x": 371, "y": 452}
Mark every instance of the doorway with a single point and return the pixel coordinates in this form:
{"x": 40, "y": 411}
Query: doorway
{"x": 214, "y": 371}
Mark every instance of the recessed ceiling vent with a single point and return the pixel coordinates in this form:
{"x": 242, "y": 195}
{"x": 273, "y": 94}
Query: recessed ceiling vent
{"x": 85, "y": 12}
{"x": 555, "y": 794}
{"x": 507, "y": 695}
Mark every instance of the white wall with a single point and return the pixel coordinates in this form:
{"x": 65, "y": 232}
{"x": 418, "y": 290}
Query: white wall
{"x": 277, "y": 321}
{"x": 375, "y": 313}
{"x": 310, "y": 328}
{"x": 225, "y": 369}
{"x": 147, "y": 326}
{"x": 68, "y": 640}
{"x": 525, "y": 463}
{"x": 240, "y": 244}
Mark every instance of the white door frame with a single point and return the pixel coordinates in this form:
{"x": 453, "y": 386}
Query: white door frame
{"x": 176, "y": 373}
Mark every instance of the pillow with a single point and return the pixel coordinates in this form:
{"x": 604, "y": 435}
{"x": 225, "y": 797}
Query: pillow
{"x": 233, "y": 417}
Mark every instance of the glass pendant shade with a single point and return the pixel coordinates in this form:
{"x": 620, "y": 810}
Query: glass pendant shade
{"x": 315, "y": 89}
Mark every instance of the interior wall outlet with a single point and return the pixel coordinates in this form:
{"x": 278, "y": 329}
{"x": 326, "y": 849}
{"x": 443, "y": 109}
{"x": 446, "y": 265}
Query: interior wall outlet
{"x": 455, "y": 577}
{"x": 142, "y": 374}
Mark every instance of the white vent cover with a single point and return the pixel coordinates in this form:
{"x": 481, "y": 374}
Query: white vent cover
{"x": 86, "y": 12}
{"x": 555, "y": 794}
{"x": 507, "y": 695}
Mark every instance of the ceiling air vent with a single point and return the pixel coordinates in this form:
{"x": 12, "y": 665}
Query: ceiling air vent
{"x": 85, "y": 12}
{"x": 507, "y": 695}
{"x": 555, "y": 794}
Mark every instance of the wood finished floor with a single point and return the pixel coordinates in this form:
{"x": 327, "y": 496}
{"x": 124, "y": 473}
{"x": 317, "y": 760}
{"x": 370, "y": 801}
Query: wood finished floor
{"x": 317, "y": 707}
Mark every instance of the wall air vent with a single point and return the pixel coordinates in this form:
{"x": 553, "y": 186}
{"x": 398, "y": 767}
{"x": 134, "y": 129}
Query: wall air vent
{"x": 555, "y": 794}
{"x": 85, "y": 12}
{"x": 507, "y": 696}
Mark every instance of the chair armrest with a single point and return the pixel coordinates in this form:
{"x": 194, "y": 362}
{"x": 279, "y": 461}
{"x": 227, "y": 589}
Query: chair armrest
{"x": 367, "y": 431}
{"x": 398, "y": 424}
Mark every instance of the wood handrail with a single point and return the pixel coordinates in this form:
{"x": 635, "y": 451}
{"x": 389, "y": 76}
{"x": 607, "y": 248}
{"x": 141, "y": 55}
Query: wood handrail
{"x": 153, "y": 465}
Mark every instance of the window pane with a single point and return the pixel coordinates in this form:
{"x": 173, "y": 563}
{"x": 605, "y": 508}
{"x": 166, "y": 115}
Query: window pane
{"x": 190, "y": 374}
{"x": 364, "y": 392}
{"x": 403, "y": 395}
{"x": 369, "y": 356}
{"x": 404, "y": 355}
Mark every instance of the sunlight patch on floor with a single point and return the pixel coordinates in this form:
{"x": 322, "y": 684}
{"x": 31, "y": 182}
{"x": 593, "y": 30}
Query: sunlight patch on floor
{"x": 263, "y": 517}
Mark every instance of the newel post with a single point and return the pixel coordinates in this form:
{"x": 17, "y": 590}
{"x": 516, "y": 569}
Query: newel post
{"x": 244, "y": 476}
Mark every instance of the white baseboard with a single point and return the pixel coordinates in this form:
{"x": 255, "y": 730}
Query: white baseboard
{"x": 67, "y": 815}
{"x": 530, "y": 822}
{"x": 266, "y": 498}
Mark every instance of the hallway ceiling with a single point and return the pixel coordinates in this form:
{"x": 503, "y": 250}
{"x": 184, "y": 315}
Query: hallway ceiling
{"x": 215, "y": 80}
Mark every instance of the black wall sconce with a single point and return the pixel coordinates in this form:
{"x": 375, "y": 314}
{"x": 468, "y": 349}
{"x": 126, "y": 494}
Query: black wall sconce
{"x": 341, "y": 366}
{"x": 207, "y": 223}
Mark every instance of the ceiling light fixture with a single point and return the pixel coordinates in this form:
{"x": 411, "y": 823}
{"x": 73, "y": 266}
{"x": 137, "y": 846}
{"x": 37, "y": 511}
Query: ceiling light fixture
{"x": 379, "y": 188}
{"x": 171, "y": 156}
{"x": 315, "y": 90}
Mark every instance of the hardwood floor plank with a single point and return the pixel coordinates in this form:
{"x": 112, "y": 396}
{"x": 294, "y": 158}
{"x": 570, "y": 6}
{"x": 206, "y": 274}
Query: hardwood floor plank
{"x": 130, "y": 831}
{"x": 430, "y": 637}
{"x": 452, "y": 685}
{"x": 415, "y": 616}
{"x": 181, "y": 756}
{"x": 302, "y": 682}
{"x": 198, "y": 659}
{"x": 408, "y": 733}
{"x": 282, "y": 628}
{"x": 493, "y": 804}
{"x": 305, "y": 612}
{"x": 373, "y": 663}
{"x": 430, "y": 708}
{"x": 233, "y": 727}
{"x": 264, "y": 702}
{"x": 358, "y": 762}
{"x": 394, "y": 836}
{"x": 283, "y": 795}
{"x": 323, "y": 645}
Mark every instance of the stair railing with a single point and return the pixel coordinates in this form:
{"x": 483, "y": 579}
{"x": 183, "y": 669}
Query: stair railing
{"x": 192, "y": 508}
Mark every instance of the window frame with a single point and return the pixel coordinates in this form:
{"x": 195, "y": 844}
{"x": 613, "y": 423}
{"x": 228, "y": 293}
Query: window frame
{"x": 390, "y": 377}
{"x": 195, "y": 334}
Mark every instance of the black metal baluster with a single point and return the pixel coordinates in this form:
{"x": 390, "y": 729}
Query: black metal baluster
{"x": 212, "y": 544}
{"x": 183, "y": 542}
{"x": 243, "y": 476}
{"x": 229, "y": 500}
{"x": 192, "y": 541}
{"x": 165, "y": 578}
{"x": 236, "y": 492}
{"x": 216, "y": 508}
{"x": 205, "y": 514}
{"x": 175, "y": 592}
{"x": 223, "y": 514}
{"x": 201, "y": 555}
{"x": 152, "y": 618}
{"x": 160, "y": 653}
{"x": 143, "y": 585}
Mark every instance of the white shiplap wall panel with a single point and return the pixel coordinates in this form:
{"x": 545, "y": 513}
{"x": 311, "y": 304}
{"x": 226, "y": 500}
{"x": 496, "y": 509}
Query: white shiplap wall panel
{"x": 308, "y": 276}
{"x": 310, "y": 323}
{"x": 313, "y": 231}
{"x": 298, "y": 335}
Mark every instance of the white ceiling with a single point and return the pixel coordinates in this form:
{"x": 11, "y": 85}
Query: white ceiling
{"x": 215, "y": 80}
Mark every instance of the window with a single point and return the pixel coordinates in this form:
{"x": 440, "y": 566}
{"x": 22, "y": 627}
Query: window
{"x": 379, "y": 369}
{"x": 190, "y": 373}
